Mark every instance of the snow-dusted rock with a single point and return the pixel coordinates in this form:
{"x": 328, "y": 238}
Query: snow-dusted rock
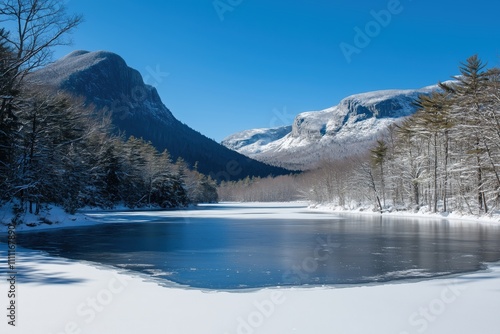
{"x": 251, "y": 141}
{"x": 333, "y": 133}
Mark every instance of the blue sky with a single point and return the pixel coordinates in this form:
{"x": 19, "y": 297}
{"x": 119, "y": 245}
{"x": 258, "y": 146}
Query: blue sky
{"x": 229, "y": 65}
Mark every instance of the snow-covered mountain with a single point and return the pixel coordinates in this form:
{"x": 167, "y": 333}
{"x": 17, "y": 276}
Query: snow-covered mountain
{"x": 251, "y": 141}
{"x": 334, "y": 133}
{"x": 104, "y": 80}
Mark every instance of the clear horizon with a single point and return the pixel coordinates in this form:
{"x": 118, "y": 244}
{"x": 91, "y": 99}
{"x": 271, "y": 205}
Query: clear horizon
{"x": 225, "y": 66}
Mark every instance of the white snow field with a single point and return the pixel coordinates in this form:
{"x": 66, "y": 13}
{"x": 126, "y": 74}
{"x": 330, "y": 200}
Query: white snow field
{"x": 59, "y": 296}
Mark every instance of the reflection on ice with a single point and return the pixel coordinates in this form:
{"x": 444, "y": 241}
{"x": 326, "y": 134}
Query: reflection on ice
{"x": 230, "y": 246}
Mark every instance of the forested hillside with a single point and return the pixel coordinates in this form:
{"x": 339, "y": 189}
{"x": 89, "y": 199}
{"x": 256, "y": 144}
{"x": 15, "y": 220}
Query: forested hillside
{"x": 105, "y": 81}
{"x": 55, "y": 149}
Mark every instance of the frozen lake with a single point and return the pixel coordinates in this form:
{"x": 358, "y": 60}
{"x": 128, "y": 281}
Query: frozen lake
{"x": 234, "y": 246}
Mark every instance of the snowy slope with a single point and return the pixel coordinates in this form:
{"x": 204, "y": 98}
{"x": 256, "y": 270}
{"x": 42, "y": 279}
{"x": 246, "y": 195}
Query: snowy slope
{"x": 333, "y": 133}
{"x": 251, "y": 141}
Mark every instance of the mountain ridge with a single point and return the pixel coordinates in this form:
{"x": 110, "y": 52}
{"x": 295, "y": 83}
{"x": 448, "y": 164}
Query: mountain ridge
{"x": 104, "y": 80}
{"x": 333, "y": 133}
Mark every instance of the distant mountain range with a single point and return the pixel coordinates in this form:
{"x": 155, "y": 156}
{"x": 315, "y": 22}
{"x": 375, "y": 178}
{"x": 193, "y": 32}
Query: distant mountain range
{"x": 105, "y": 80}
{"x": 335, "y": 133}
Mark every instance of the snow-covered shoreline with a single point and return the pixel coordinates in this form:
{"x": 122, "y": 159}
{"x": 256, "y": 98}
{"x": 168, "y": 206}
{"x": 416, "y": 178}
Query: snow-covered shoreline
{"x": 57, "y": 218}
{"x": 453, "y": 217}
{"x": 56, "y": 295}
{"x": 62, "y": 296}
{"x": 61, "y": 219}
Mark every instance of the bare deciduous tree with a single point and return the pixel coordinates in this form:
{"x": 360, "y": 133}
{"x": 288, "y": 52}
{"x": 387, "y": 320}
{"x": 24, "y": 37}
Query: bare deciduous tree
{"x": 36, "y": 26}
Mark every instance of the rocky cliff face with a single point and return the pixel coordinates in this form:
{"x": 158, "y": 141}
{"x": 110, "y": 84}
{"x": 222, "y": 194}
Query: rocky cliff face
{"x": 251, "y": 141}
{"x": 334, "y": 133}
{"x": 104, "y": 80}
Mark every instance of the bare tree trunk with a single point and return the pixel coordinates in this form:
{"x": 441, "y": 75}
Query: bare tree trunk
{"x": 480, "y": 193}
{"x": 372, "y": 179}
{"x": 493, "y": 167}
{"x": 416, "y": 192}
{"x": 445, "y": 186}
{"x": 382, "y": 182}
{"x": 435, "y": 195}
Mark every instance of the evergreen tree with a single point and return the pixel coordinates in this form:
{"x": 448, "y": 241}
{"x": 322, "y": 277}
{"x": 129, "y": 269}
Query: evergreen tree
{"x": 469, "y": 94}
{"x": 8, "y": 120}
{"x": 379, "y": 154}
{"x": 433, "y": 122}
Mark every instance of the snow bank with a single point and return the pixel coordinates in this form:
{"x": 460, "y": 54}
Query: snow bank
{"x": 49, "y": 218}
{"x": 422, "y": 213}
{"x": 55, "y": 296}
{"x": 59, "y": 296}
{"x": 54, "y": 217}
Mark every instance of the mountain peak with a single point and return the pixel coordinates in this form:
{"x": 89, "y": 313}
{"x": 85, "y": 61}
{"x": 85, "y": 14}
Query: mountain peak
{"x": 75, "y": 53}
{"x": 90, "y": 57}
{"x": 60, "y": 71}
{"x": 106, "y": 81}
{"x": 330, "y": 134}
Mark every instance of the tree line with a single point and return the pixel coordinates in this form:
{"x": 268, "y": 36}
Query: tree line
{"x": 54, "y": 149}
{"x": 444, "y": 158}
